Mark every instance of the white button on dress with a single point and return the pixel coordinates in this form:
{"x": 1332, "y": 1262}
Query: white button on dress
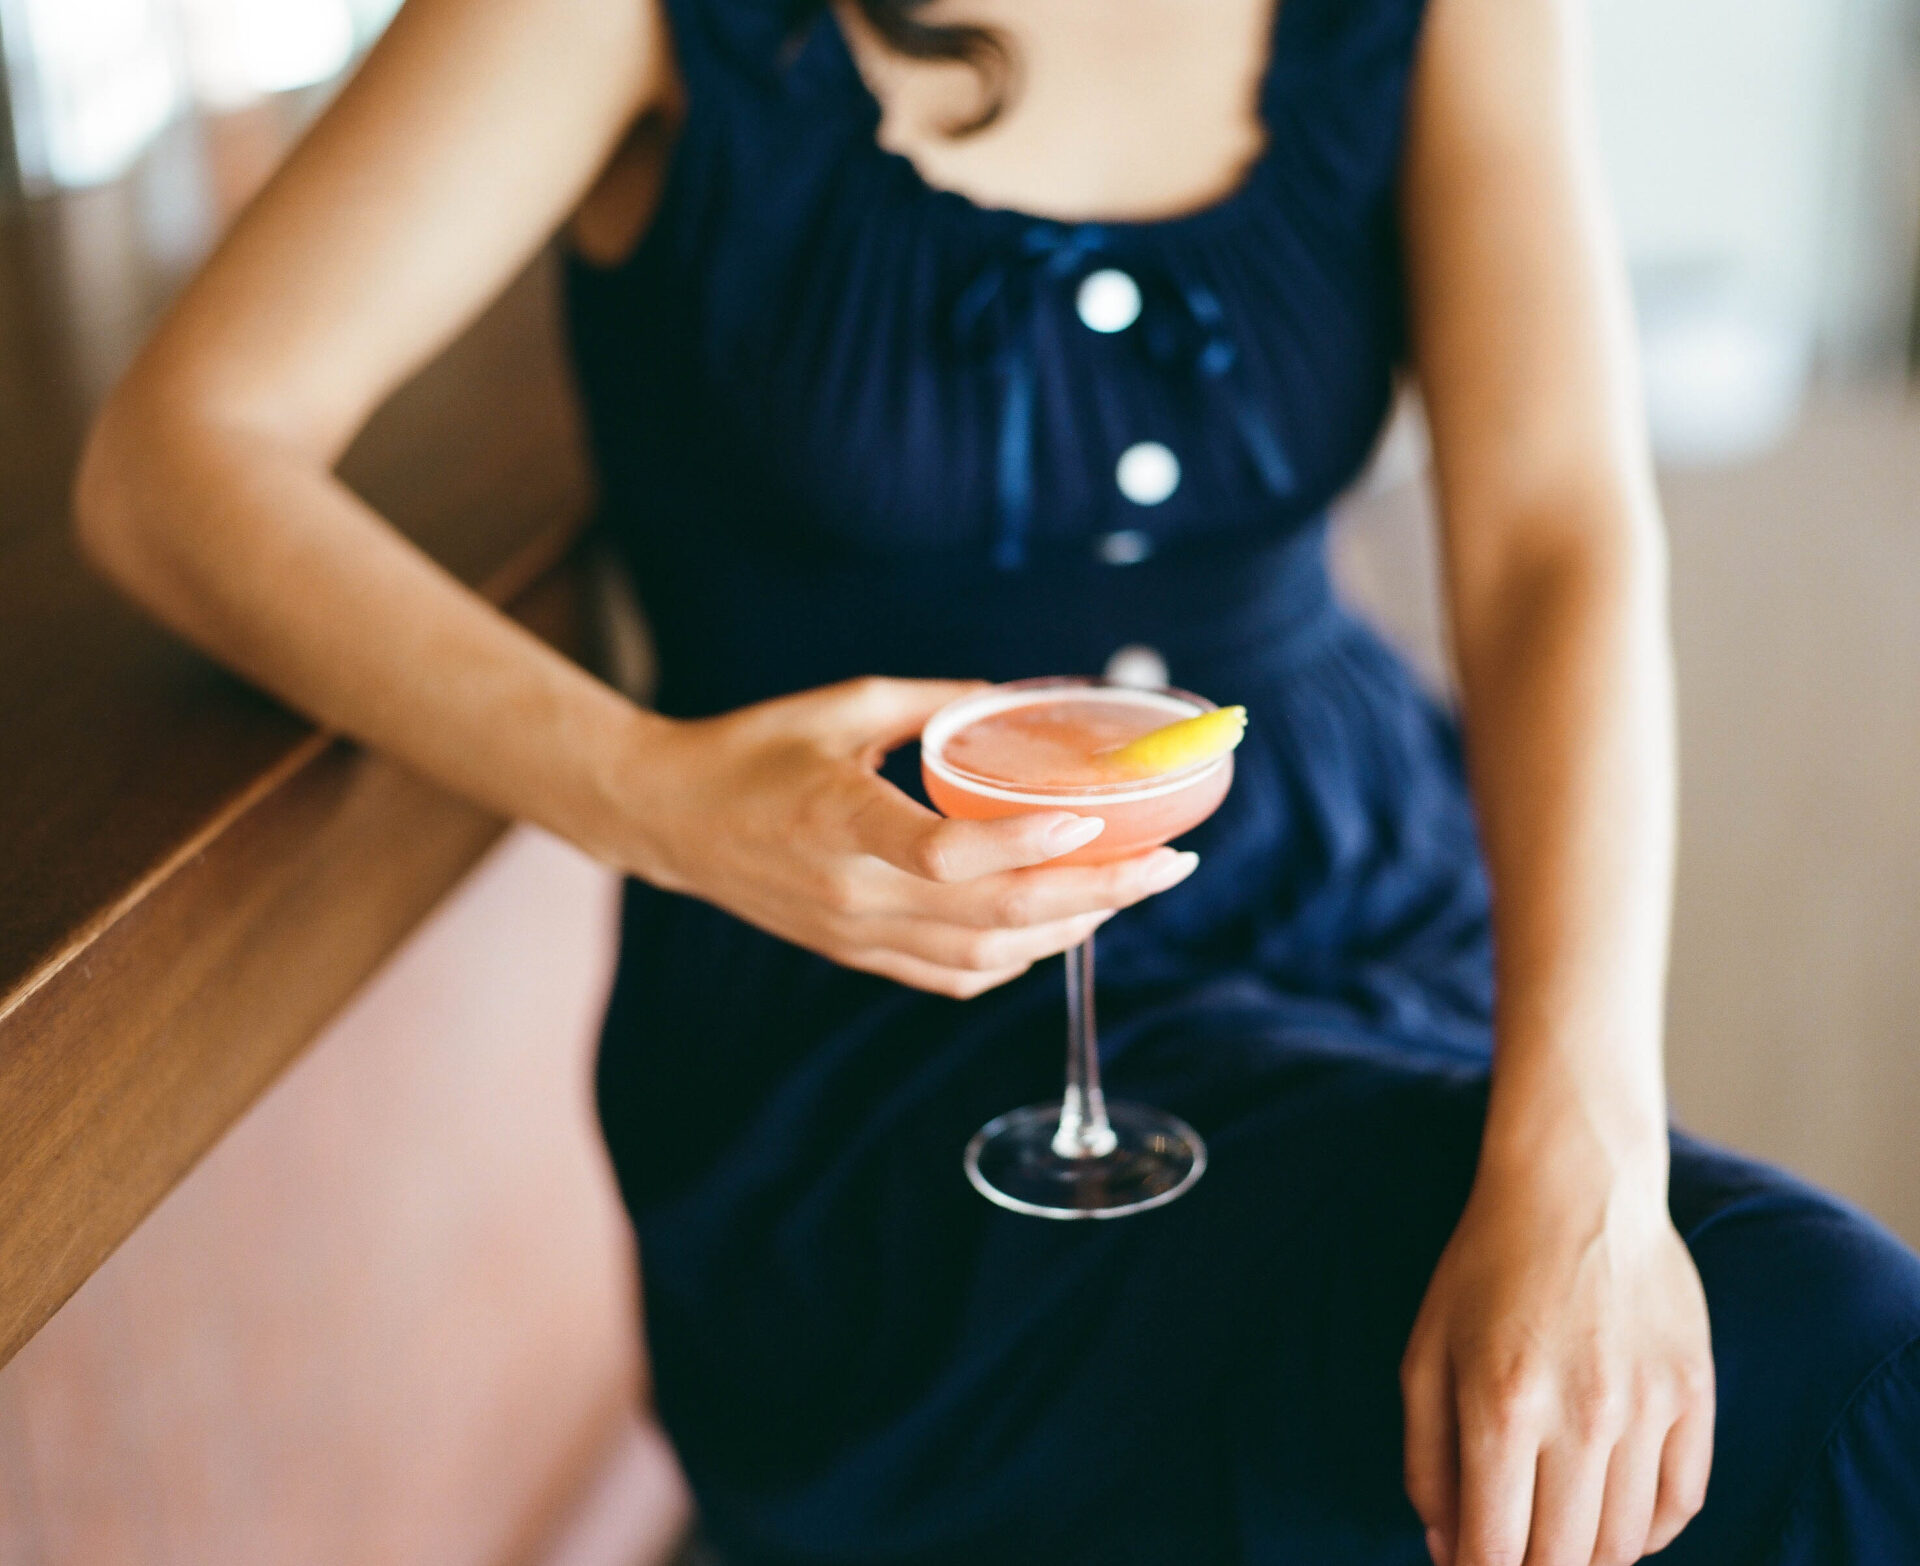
{"x": 1108, "y": 301}
{"x": 1127, "y": 546}
{"x": 1139, "y": 666}
{"x": 1147, "y": 473}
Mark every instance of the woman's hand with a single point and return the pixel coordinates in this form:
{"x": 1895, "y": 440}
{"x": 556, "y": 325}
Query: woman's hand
{"x": 776, "y": 814}
{"x": 1559, "y": 1380}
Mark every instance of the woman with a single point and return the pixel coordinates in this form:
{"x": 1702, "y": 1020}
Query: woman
{"x": 1447, "y": 1286}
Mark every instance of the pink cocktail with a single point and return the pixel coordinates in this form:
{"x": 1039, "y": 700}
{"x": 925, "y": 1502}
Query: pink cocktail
{"x": 1041, "y": 746}
{"x": 1049, "y": 745}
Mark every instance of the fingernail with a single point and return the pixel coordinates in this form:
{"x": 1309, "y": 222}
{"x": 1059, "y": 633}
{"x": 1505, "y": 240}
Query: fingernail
{"x": 1063, "y": 837}
{"x": 1171, "y": 870}
{"x": 1437, "y": 1547}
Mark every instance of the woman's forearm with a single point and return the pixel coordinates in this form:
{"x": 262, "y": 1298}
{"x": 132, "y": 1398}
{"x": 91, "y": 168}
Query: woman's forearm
{"x": 1565, "y": 1288}
{"x": 266, "y": 562}
{"x": 774, "y": 813}
{"x": 1569, "y": 710}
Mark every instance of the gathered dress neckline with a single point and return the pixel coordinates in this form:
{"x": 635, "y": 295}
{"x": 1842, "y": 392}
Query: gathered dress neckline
{"x": 1223, "y": 211}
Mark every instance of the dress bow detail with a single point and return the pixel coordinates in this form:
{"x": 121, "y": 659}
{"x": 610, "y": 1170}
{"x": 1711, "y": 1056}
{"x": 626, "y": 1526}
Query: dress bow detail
{"x": 1180, "y": 326}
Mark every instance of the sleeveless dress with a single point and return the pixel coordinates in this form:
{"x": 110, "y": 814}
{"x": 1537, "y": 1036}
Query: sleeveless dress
{"x": 849, "y": 424}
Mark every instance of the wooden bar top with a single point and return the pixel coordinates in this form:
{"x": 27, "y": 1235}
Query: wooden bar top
{"x": 191, "y": 878}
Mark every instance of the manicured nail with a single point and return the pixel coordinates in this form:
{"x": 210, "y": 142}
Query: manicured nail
{"x": 1063, "y": 837}
{"x": 1172, "y": 870}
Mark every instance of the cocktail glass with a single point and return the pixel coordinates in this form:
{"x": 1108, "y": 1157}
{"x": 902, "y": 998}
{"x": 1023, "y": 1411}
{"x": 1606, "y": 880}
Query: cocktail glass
{"x": 1081, "y": 1156}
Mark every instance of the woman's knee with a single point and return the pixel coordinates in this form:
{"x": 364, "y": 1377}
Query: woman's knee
{"x": 1815, "y": 1312}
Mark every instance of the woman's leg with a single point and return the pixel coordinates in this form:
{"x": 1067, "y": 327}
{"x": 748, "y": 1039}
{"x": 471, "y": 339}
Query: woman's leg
{"x": 1815, "y": 1312}
{"x": 1816, "y": 1336}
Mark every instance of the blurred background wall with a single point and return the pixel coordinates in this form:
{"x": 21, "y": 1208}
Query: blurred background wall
{"x": 360, "y": 1314}
{"x": 1765, "y": 159}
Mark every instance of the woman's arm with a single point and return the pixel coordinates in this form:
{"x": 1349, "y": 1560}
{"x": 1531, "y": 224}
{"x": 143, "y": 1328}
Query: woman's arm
{"x": 1559, "y": 1381}
{"x": 207, "y": 493}
{"x": 206, "y": 490}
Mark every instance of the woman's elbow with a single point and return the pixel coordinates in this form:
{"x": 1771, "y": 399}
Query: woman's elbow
{"x": 1615, "y": 571}
{"x": 138, "y": 502}
{"x": 1579, "y": 562}
{"x": 111, "y": 495}
{"x": 1627, "y": 557}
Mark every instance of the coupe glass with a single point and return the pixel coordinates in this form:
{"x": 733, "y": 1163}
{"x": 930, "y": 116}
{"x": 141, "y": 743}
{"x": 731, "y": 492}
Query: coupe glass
{"x": 1080, "y": 1156}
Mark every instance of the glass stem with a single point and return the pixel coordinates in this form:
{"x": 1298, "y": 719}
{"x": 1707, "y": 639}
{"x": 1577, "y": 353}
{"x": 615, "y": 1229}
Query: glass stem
{"x": 1084, "y": 1131}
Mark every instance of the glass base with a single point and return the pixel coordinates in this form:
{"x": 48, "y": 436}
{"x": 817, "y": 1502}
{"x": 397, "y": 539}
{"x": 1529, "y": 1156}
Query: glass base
{"x": 1155, "y": 1158}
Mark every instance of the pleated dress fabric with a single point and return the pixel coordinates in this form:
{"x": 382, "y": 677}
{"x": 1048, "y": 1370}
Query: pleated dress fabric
{"x": 849, "y": 424}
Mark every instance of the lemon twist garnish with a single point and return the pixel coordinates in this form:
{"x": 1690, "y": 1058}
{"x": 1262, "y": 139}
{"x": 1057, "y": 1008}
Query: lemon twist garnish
{"x": 1180, "y": 745}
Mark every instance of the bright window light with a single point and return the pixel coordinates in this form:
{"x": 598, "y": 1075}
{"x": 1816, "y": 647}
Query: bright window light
{"x": 91, "y": 81}
{"x": 237, "y": 50}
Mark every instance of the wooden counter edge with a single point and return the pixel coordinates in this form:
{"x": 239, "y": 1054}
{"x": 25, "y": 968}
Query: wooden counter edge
{"x": 124, "y": 1060}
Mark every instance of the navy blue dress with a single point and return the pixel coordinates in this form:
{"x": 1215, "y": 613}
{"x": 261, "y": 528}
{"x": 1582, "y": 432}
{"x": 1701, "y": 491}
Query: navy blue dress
{"x": 849, "y": 424}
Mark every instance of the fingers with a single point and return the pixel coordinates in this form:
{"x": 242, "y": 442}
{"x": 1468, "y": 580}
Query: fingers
{"x": 962, "y": 948}
{"x": 1685, "y": 1462}
{"x": 1569, "y": 1485}
{"x": 1499, "y": 1445}
{"x": 1432, "y": 1460}
{"x": 869, "y": 717}
{"x": 1021, "y": 898}
{"x": 1602, "y": 1495}
{"x": 954, "y": 983}
{"x": 912, "y": 838}
{"x": 1633, "y": 1482}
